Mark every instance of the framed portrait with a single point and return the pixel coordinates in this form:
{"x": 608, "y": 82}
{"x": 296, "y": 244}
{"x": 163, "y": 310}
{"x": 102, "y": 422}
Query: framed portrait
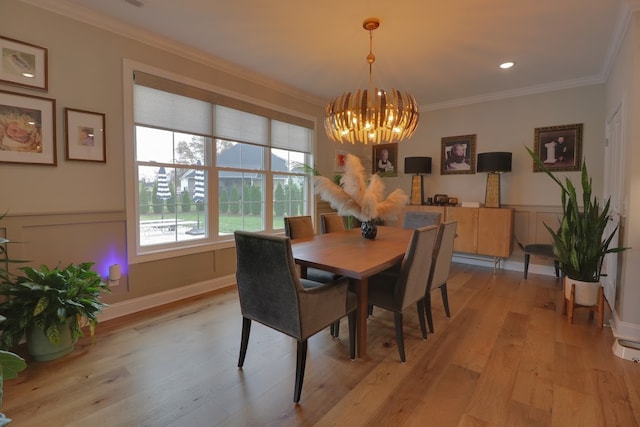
{"x": 86, "y": 139}
{"x": 385, "y": 159}
{"x": 559, "y": 147}
{"x": 458, "y": 155}
{"x": 23, "y": 64}
{"x": 27, "y": 129}
{"x": 338, "y": 160}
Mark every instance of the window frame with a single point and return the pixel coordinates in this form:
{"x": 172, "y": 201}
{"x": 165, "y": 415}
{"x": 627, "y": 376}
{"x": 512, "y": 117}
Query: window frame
{"x": 138, "y": 253}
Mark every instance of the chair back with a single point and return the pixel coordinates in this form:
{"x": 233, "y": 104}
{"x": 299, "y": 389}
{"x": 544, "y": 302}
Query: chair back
{"x": 415, "y": 219}
{"x": 331, "y": 222}
{"x": 416, "y": 266}
{"x": 268, "y": 285}
{"x": 298, "y": 227}
{"x": 443, "y": 254}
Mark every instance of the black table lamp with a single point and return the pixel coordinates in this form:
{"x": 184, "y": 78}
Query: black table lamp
{"x": 419, "y": 166}
{"x": 493, "y": 163}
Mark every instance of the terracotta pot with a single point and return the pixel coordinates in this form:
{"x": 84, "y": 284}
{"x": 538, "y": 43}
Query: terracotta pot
{"x": 586, "y": 292}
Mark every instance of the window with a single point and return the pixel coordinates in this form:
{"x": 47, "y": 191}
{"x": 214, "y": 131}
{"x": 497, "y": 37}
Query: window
{"x": 207, "y": 165}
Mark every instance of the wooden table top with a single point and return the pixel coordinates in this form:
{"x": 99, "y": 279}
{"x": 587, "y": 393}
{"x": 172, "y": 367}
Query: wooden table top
{"x": 349, "y": 254}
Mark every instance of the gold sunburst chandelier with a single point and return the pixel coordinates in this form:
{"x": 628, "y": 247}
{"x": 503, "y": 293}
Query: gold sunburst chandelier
{"x": 371, "y": 115}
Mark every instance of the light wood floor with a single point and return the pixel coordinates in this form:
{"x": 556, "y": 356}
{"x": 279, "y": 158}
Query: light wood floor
{"x": 507, "y": 357}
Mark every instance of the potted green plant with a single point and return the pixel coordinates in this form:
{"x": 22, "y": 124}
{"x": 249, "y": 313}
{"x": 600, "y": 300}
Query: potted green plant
{"x": 50, "y": 306}
{"x": 580, "y": 242}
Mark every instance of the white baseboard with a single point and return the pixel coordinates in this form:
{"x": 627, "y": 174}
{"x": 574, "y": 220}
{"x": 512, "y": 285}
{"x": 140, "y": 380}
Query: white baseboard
{"x": 135, "y": 305}
{"x": 624, "y": 330}
{"x": 146, "y": 302}
{"x": 503, "y": 264}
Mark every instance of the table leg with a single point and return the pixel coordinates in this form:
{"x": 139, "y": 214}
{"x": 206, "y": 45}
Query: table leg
{"x": 361, "y": 288}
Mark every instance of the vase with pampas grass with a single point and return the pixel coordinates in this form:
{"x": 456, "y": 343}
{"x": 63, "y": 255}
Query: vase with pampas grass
{"x": 361, "y": 197}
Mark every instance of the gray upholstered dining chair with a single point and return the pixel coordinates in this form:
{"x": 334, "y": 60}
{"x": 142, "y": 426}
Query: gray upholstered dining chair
{"x": 415, "y": 219}
{"x": 271, "y": 293}
{"x": 331, "y": 222}
{"x": 542, "y": 250}
{"x": 440, "y": 267}
{"x": 301, "y": 227}
{"x": 396, "y": 290}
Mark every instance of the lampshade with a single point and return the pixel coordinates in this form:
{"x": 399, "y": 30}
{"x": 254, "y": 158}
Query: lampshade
{"x": 371, "y": 115}
{"x": 417, "y": 165}
{"x": 498, "y": 161}
{"x": 494, "y": 163}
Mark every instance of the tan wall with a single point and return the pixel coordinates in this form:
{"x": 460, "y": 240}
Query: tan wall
{"x": 623, "y": 87}
{"x": 76, "y": 211}
{"x": 85, "y": 72}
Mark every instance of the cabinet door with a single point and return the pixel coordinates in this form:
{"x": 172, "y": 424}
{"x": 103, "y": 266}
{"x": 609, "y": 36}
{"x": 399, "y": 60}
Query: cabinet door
{"x": 466, "y": 230}
{"x": 495, "y": 232}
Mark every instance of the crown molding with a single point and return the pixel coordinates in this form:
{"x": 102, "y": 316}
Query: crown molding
{"x": 530, "y": 90}
{"x": 89, "y": 17}
{"x": 629, "y": 7}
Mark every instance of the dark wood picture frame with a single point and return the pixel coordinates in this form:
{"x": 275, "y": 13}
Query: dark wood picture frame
{"x": 27, "y": 129}
{"x": 458, "y": 155}
{"x": 559, "y": 147}
{"x": 86, "y": 135}
{"x": 23, "y": 64}
{"x": 385, "y": 159}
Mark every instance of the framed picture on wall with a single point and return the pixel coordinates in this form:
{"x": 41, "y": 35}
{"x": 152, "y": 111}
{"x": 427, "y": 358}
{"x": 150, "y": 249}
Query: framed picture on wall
{"x": 559, "y": 147}
{"x": 458, "y": 155}
{"x": 27, "y": 129}
{"x": 338, "y": 160}
{"x": 85, "y": 135}
{"x": 385, "y": 159}
{"x": 23, "y": 64}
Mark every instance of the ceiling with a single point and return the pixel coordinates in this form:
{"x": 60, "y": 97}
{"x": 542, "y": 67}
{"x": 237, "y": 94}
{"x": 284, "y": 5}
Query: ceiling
{"x": 444, "y": 52}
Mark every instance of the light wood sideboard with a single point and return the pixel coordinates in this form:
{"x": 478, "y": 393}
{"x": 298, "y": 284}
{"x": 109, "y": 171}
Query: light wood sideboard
{"x": 482, "y": 231}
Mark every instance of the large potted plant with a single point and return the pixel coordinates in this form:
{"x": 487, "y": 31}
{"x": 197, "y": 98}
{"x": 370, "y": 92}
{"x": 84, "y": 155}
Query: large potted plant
{"x": 580, "y": 242}
{"x": 50, "y": 307}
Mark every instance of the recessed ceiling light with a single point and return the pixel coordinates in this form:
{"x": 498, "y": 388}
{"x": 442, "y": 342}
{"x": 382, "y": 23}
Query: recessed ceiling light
{"x": 507, "y": 65}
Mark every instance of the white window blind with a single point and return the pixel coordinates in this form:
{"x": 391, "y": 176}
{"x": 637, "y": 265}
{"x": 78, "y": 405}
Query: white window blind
{"x": 290, "y": 137}
{"x": 240, "y": 126}
{"x": 166, "y": 110}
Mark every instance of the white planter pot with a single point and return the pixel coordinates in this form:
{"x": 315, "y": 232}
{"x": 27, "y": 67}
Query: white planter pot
{"x": 40, "y": 348}
{"x": 586, "y": 293}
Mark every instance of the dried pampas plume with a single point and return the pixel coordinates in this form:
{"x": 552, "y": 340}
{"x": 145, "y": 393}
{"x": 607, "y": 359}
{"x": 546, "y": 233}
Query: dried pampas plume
{"x": 355, "y": 197}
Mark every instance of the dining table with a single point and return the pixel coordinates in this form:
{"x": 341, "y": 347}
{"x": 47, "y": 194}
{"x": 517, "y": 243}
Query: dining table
{"x": 349, "y": 254}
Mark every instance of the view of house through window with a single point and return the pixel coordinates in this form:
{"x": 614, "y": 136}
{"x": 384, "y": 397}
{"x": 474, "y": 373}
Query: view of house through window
{"x": 244, "y": 173}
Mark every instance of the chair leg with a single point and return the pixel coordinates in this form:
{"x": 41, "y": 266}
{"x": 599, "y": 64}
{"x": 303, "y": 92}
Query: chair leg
{"x": 445, "y": 300}
{"x": 301, "y": 361}
{"x": 427, "y": 309}
{"x": 399, "y": 336}
{"x": 244, "y": 342}
{"x": 335, "y": 329}
{"x": 526, "y": 264}
{"x": 421, "y": 315}
{"x": 352, "y": 334}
